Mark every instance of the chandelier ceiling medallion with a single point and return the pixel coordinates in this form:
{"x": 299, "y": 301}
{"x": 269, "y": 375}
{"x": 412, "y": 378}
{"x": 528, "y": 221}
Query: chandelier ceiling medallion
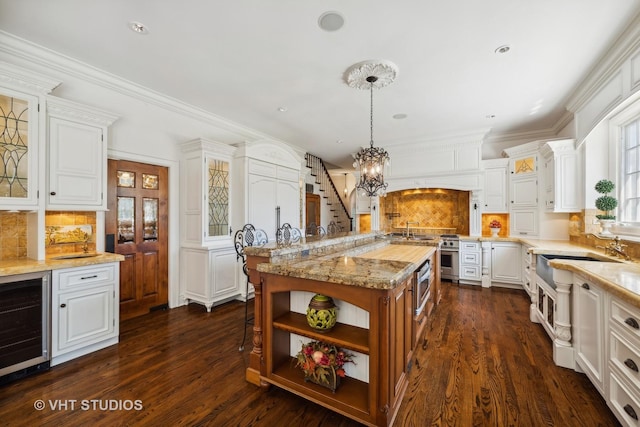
{"x": 371, "y": 161}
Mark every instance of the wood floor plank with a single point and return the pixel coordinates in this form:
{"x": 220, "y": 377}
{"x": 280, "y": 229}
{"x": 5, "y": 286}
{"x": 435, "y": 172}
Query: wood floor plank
{"x": 485, "y": 364}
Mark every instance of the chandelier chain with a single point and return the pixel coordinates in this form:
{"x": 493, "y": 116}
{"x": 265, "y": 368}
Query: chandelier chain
{"x": 371, "y": 115}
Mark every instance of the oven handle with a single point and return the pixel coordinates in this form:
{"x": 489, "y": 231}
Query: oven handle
{"x": 425, "y": 272}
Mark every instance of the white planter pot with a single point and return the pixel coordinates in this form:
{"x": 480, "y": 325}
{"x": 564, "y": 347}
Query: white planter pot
{"x": 606, "y": 226}
{"x": 494, "y": 232}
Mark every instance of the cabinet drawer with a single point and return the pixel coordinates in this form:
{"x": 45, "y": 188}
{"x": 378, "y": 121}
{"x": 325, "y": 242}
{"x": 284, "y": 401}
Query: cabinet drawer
{"x": 470, "y": 246}
{"x": 470, "y": 258}
{"x": 624, "y": 405}
{"x": 627, "y": 318}
{"x": 85, "y": 276}
{"x": 626, "y": 358}
{"x": 470, "y": 272}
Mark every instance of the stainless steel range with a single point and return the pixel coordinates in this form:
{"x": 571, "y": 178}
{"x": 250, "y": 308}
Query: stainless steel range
{"x": 449, "y": 257}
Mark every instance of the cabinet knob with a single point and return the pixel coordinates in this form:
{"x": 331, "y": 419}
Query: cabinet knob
{"x": 63, "y": 305}
{"x": 632, "y": 322}
{"x": 629, "y": 363}
{"x": 630, "y": 411}
{"x": 53, "y": 193}
{"x": 586, "y": 286}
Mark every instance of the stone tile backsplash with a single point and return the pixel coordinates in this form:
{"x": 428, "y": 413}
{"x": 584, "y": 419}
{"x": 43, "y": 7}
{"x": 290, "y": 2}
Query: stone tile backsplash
{"x": 14, "y": 233}
{"x": 432, "y": 208}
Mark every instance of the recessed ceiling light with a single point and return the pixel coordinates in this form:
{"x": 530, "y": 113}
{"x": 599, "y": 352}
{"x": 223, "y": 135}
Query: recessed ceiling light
{"x": 490, "y": 116}
{"x": 399, "y": 116}
{"x": 282, "y": 109}
{"x": 330, "y": 21}
{"x": 339, "y": 141}
{"x": 138, "y": 27}
{"x": 503, "y": 49}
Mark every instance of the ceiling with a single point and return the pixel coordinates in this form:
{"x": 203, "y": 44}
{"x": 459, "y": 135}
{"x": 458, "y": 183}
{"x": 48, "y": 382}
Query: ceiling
{"x": 244, "y": 60}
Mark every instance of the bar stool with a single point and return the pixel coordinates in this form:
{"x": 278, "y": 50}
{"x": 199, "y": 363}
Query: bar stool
{"x": 247, "y": 236}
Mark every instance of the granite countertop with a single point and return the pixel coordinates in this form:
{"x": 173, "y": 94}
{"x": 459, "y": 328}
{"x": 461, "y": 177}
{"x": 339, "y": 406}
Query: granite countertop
{"x": 615, "y": 275}
{"x": 376, "y": 266}
{"x": 621, "y": 279}
{"x": 21, "y": 266}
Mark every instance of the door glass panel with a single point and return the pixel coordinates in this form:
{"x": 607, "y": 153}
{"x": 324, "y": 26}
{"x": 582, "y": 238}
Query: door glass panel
{"x": 126, "y": 219}
{"x": 150, "y": 219}
{"x": 526, "y": 165}
{"x": 14, "y": 147}
{"x": 218, "y": 198}
{"x": 540, "y": 299}
{"x": 150, "y": 182}
{"x": 126, "y": 179}
{"x": 550, "y": 310}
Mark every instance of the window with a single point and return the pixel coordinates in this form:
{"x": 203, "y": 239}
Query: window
{"x": 629, "y": 188}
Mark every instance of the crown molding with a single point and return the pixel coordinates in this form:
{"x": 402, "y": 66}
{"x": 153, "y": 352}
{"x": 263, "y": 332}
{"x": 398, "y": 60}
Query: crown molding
{"x": 15, "y": 47}
{"x": 69, "y": 109}
{"x": 30, "y": 81}
{"x": 621, "y": 50}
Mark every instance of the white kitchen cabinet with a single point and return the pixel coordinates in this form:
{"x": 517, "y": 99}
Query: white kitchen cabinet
{"x": 210, "y": 275}
{"x": 588, "y": 330}
{"x": 77, "y": 156}
{"x": 562, "y": 176}
{"x": 523, "y": 192}
{"x": 524, "y": 222}
{"x": 527, "y": 258}
{"x": 470, "y": 259}
{"x": 523, "y": 189}
{"x": 205, "y": 193}
{"x": 274, "y": 195}
{"x": 623, "y": 330}
{"x": 208, "y": 263}
{"x": 506, "y": 262}
{"x": 19, "y": 150}
{"x": 85, "y": 312}
{"x": 495, "y": 185}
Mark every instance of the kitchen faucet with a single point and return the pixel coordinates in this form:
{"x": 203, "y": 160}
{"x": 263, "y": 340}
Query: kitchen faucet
{"x": 614, "y": 247}
{"x": 409, "y": 222}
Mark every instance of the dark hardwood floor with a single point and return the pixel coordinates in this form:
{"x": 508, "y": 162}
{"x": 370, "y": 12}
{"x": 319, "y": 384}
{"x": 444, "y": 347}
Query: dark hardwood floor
{"x": 485, "y": 364}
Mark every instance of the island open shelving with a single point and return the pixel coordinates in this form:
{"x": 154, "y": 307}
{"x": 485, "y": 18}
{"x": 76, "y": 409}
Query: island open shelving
{"x": 386, "y": 342}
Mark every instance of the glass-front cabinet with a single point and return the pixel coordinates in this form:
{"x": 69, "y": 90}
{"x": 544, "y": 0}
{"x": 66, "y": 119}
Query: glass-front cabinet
{"x": 205, "y": 183}
{"x": 218, "y": 179}
{"x": 18, "y": 150}
{"x": 209, "y": 272}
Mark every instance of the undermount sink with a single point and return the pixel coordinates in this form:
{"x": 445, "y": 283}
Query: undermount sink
{"x": 422, "y": 238}
{"x": 74, "y": 256}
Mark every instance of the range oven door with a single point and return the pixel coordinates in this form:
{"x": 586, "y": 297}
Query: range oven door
{"x": 449, "y": 265}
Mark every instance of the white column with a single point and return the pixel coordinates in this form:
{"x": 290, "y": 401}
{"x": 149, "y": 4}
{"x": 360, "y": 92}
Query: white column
{"x": 563, "y": 353}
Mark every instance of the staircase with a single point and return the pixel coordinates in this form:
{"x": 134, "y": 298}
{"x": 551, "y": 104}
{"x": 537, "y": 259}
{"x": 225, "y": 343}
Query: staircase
{"x": 329, "y": 192}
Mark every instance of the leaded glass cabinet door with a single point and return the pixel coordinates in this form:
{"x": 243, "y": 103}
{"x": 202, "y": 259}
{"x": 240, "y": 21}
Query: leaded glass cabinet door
{"x": 18, "y": 150}
{"x": 218, "y": 180}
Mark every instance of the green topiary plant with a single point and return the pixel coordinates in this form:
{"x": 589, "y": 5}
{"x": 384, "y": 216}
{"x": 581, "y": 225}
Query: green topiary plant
{"x": 606, "y": 203}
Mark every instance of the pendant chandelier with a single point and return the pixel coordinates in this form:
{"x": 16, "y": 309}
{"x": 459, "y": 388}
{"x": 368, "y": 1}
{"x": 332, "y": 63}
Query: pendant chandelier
{"x": 372, "y": 161}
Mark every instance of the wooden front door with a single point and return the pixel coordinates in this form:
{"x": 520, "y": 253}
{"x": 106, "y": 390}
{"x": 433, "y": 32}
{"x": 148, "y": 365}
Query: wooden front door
{"x": 137, "y": 227}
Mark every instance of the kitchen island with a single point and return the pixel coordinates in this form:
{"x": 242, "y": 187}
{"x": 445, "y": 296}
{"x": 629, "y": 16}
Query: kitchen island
{"x": 365, "y": 274}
